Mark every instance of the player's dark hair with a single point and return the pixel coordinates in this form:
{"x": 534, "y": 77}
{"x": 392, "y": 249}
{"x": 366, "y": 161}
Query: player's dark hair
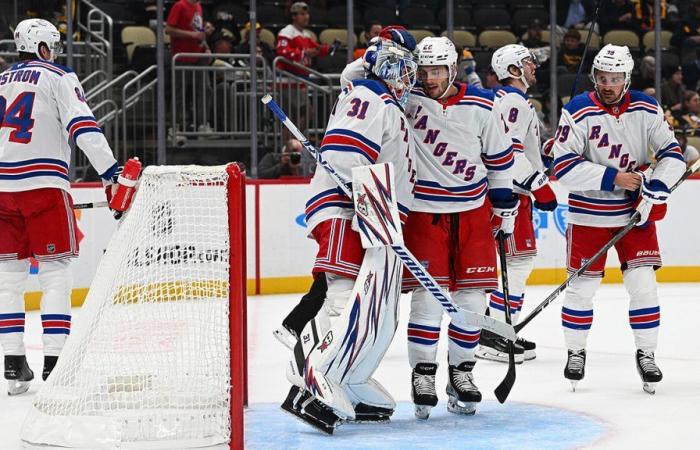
{"x": 25, "y": 56}
{"x": 368, "y": 26}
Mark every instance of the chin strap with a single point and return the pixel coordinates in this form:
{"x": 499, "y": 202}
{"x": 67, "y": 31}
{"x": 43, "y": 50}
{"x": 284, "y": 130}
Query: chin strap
{"x": 453, "y": 74}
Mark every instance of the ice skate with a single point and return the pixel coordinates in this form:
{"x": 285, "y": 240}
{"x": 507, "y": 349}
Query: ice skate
{"x": 463, "y": 395}
{"x": 371, "y": 414}
{"x": 18, "y": 374}
{"x": 423, "y": 391}
{"x": 528, "y": 348}
{"x": 49, "y": 364}
{"x": 648, "y": 370}
{"x": 575, "y": 367}
{"x": 302, "y": 405}
{"x": 494, "y": 348}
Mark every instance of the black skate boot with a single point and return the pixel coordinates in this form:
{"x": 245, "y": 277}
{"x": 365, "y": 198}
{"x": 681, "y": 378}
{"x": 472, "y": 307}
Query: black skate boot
{"x": 372, "y": 414}
{"x": 462, "y": 393}
{"x": 423, "y": 389}
{"x": 528, "y": 348}
{"x": 648, "y": 370}
{"x": 301, "y": 404}
{"x": 575, "y": 367}
{"x": 49, "y": 364}
{"x": 494, "y": 348}
{"x": 307, "y": 308}
{"x": 18, "y": 374}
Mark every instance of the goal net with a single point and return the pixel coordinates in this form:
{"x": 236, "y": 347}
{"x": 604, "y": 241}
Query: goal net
{"x": 160, "y": 337}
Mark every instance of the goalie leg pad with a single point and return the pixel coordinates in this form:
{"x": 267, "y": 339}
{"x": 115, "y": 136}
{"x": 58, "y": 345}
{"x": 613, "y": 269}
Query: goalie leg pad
{"x": 644, "y": 311}
{"x": 577, "y": 311}
{"x": 56, "y": 281}
{"x": 13, "y": 278}
{"x": 463, "y": 340}
{"x": 423, "y": 327}
{"x": 371, "y": 393}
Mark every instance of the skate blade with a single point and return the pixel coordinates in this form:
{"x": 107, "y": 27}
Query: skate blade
{"x": 285, "y": 337}
{"x": 649, "y": 388}
{"x": 491, "y": 355}
{"x": 463, "y": 408}
{"x": 422, "y": 412}
{"x": 309, "y": 420}
{"x": 15, "y": 387}
{"x": 573, "y": 385}
{"x": 373, "y": 419}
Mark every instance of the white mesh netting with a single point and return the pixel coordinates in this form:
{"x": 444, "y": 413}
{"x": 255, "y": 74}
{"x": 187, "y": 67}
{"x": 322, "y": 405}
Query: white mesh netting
{"x": 147, "y": 364}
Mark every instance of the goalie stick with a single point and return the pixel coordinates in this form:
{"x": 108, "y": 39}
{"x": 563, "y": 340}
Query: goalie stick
{"x": 410, "y": 262}
{"x": 620, "y": 234}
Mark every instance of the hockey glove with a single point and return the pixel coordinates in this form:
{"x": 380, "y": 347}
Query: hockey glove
{"x": 538, "y": 185}
{"x": 651, "y": 204}
{"x": 548, "y": 154}
{"x": 503, "y": 215}
{"x": 110, "y": 188}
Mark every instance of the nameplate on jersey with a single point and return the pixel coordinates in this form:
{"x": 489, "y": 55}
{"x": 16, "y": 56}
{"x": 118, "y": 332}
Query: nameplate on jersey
{"x": 376, "y": 208}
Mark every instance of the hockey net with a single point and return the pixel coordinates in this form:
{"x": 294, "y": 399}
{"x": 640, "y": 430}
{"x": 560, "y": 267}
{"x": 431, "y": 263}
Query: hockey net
{"x": 157, "y": 356}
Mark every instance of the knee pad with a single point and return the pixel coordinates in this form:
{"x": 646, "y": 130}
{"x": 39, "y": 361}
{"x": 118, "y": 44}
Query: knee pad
{"x": 425, "y": 309}
{"x": 518, "y": 271}
{"x": 640, "y": 284}
{"x": 338, "y": 294}
{"x": 471, "y": 300}
{"x": 56, "y": 281}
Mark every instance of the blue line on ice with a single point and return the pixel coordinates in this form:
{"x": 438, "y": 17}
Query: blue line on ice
{"x": 512, "y": 426}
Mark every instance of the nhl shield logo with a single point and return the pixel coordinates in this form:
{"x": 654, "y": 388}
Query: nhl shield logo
{"x": 51, "y": 248}
{"x": 560, "y": 218}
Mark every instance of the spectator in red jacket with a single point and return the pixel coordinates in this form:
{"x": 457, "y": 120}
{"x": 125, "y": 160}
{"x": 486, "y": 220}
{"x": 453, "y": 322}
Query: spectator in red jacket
{"x": 186, "y": 29}
{"x": 296, "y": 43}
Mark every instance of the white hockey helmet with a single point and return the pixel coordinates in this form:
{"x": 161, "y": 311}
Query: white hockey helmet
{"x": 438, "y": 51}
{"x": 615, "y": 59}
{"x": 32, "y": 32}
{"x": 511, "y": 55}
{"x": 396, "y": 66}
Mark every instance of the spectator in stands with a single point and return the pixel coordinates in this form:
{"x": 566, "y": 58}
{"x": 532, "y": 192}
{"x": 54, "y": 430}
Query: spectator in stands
{"x": 672, "y": 90}
{"x": 186, "y": 29}
{"x": 644, "y": 14}
{"x": 574, "y": 13}
{"x": 285, "y": 163}
{"x": 372, "y": 30}
{"x": 690, "y": 153}
{"x": 686, "y": 35}
{"x": 296, "y": 43}
{"x": 571, "y": 51}
{"x": 533, "y": 36}
{"x": 263, "y": 48}
{"x": 690, "y": 113}
{"x": 691, "y": 74}
{"x": 226, "y": 23}
{"x": 617, "y": 15}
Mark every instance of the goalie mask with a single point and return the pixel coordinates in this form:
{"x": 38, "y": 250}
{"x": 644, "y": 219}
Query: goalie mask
{"x": 433, "y": 53}
{"x": 395, "y": 66}
{"x": 512, "y": 55}
{"x": 30, "y": 33}
{"x": 612, "y": 67}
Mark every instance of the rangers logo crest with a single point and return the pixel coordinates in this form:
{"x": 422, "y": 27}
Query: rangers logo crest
{"x": 327, "y": 340}
{"x": 362, "y": 204}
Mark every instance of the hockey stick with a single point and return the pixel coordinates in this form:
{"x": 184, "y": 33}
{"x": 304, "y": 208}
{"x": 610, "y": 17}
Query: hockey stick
{"x": 585, "y": 48}
{"x": 620, "y": 234}
{"x": 503, "y": 389}
{"x": 90, "y": 205}
{"x": 412, "y": 264}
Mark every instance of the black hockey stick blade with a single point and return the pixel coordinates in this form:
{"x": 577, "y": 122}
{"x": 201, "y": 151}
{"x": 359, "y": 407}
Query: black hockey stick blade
{"x": 503, "y": 389}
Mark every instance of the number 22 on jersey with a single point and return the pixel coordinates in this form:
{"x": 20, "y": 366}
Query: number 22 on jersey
{"x": 18, "y": 116}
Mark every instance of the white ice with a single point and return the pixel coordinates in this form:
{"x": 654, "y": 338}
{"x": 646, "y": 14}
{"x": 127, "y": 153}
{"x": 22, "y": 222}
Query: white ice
{"x": 610, "y": 397}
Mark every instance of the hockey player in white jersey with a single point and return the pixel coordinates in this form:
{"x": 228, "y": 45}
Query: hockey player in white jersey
{"x": 515, "y": 67}
{"x": 464, "y": 176}
{"x": 601, "y": 143}
{"x": 43, "y": 109}
{"x": 367, "y": 126}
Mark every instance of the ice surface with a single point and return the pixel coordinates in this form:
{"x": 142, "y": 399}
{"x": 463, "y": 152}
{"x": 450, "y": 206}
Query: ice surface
{"x": 608, "y": 410}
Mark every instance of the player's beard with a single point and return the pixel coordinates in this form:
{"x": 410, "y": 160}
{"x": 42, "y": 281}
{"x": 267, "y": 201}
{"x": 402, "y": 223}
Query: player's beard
{"x": 609, "y": 96}
{"x": 436, "y": 90}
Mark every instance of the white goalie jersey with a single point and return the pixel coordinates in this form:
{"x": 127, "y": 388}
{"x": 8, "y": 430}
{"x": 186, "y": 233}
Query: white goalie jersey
{"x": 366, "y": 126}
{"x": 462, "y": 150}
{"x": 522, "y": 125}
{"x": 44, "y": 109}
{"x": 594, "y": 142}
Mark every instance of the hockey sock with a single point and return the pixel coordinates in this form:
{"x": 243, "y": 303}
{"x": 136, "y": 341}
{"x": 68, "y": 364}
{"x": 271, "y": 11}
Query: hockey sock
{"x": 56, "y": 281}
{"x": 644, "y": 312}
{"x": 13, "y": 277}
{"x": 463, "y": 341}
{"x": 577, "y": 311}
{"x": 310, "y": 304}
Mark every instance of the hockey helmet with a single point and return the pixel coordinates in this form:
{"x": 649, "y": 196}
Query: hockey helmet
{"x": 438, "y": 51}
{"x": 395, "y": 65}
{"x": 614, "y": 59}
{"x": 512, "y": 55}
{"x": 32, "y": 32}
